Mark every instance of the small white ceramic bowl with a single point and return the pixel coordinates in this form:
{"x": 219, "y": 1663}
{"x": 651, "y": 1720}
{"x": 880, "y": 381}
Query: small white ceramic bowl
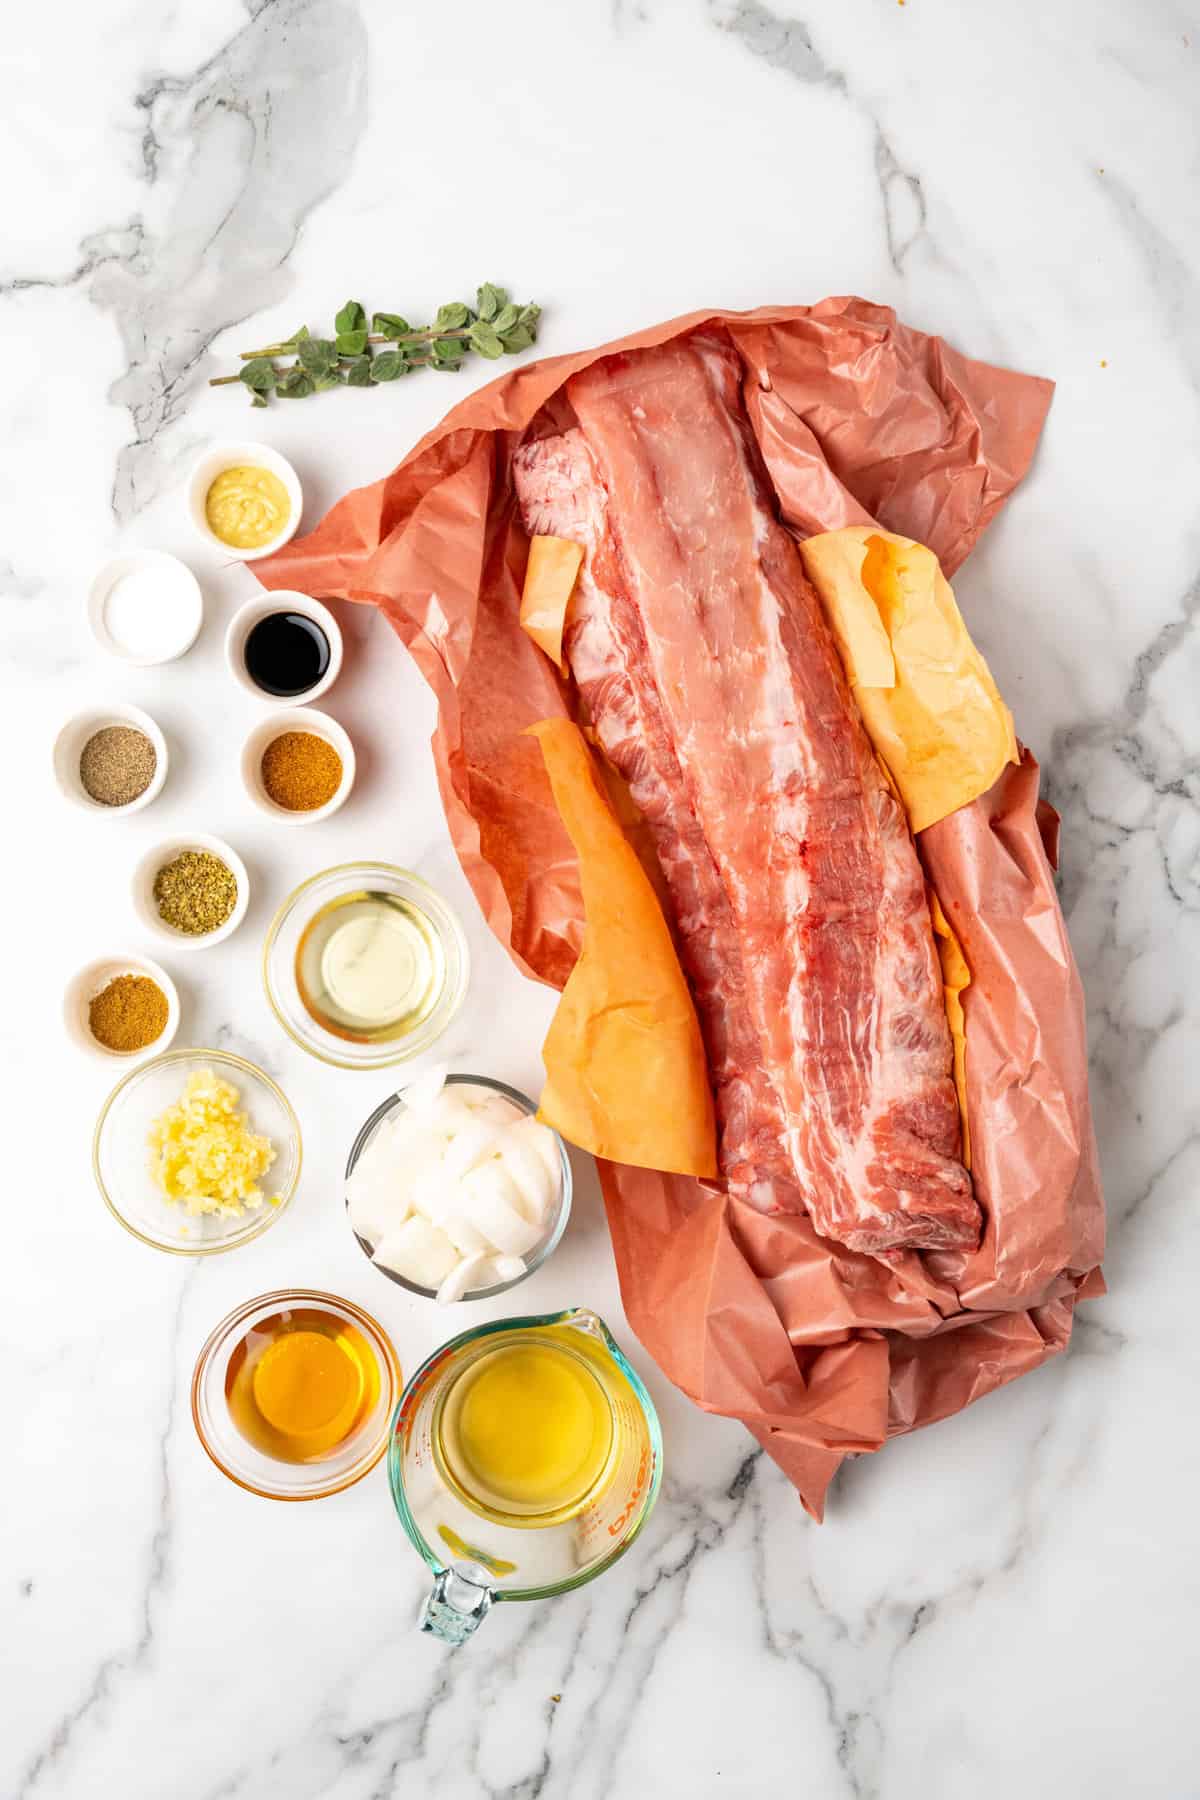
{"x": 214, "y": 462}
{"x": 69, "y": 745}
{"x": 296, "y": 718}
{"x": 183, "y": 604}
{"x": 143, "y": 889}
{"x": 282, "y": 600}
{"x": 92, "y": 979}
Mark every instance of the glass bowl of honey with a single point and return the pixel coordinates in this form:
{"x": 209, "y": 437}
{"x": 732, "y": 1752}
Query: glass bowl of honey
{"x": 365, "y": 965}
{"x": 292, "y": 1394}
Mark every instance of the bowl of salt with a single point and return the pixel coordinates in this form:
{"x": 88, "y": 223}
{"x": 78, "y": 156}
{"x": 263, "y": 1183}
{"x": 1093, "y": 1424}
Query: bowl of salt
{"x": 145, "y": 607}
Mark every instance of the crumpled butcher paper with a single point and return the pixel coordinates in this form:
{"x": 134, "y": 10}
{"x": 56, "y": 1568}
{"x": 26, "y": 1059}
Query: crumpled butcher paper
{"x": 862, "y": 421}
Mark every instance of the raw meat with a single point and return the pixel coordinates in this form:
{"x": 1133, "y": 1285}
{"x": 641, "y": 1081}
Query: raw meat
{"x": 605, "y": 645}
{"x": 713, "y": 683}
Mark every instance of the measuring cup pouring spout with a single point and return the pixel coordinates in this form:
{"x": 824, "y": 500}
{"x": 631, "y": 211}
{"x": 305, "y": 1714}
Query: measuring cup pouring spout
{"x": 525, "y": 1456}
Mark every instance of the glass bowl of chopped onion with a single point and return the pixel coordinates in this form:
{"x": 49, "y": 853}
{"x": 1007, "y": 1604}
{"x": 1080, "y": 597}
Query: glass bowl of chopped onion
{"x": 196, "y": 1151}
{"x": 455, "y": 1189}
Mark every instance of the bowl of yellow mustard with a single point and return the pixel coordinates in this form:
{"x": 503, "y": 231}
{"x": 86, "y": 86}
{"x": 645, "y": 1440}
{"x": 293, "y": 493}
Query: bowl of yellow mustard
{"x": 244, "y": 499}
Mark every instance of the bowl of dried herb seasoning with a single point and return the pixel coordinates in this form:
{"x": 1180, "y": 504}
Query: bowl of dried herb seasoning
{"x": 110, "y": 759}
{"x": 191, "y": 890}
{"x": 121, "y": 1006}
{"x": 298, "y": 764}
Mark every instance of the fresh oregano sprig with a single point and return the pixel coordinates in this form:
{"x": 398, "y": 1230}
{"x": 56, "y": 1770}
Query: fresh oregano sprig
{"x": 495, "y": 327}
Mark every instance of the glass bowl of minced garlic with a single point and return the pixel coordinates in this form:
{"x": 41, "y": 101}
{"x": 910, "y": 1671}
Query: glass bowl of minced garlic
{"x": 196, "y": 1151}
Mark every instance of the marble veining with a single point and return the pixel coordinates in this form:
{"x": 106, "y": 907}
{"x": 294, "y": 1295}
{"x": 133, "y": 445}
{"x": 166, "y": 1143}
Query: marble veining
{"x": 1001, "y": 1605}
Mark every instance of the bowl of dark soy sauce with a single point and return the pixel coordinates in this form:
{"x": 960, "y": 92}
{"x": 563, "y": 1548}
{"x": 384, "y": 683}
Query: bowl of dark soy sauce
{"x": 284, "y": 646}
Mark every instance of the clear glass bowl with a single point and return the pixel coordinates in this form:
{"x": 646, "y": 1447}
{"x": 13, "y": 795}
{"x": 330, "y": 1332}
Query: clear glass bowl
{"x": 283, "y": 940}
{"x": 120, "y": 1158}
{"x": 554, "y": 1229}
{"x": 250, "y": 1467}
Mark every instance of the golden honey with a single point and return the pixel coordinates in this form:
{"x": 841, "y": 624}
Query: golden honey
{"x": 300, "y": 1383}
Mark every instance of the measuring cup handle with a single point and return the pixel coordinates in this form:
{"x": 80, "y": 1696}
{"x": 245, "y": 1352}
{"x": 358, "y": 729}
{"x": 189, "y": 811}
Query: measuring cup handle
{"x": 456, "y": 1607}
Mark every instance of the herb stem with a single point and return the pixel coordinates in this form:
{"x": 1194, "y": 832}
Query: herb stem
{"x": 353, "y": 356}
{"x": 410, "y": 337}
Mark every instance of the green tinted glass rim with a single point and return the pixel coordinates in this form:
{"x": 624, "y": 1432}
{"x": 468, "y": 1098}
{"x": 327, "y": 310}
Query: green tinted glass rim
{"x": 642, "y": 1394}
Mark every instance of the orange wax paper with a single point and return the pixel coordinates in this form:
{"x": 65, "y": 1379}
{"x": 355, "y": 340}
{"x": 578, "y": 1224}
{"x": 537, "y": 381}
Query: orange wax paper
{"x": 955, "y": 977}
{"x": 926, "y": 695}
{"x": 862, "y": 421}
{"x": 625, "y": 1028}
{"x": 549, "y": 579}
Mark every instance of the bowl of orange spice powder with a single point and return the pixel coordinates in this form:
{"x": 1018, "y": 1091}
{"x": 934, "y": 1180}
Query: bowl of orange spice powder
{"x": 298, "y": 764}
{"x": 121, "y": 1006}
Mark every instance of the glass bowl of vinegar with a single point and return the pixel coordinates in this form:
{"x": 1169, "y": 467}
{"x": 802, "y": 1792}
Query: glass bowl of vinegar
{"x": 365, "y": 965}
{"x": 292, "y": 1394}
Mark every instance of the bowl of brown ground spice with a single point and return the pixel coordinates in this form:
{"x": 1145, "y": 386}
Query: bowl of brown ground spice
{"x": 191, "y": 890}
{"x": 121, "y": 1006}
{"x": 298, "y": 764}
{"x": 110, "y": 759}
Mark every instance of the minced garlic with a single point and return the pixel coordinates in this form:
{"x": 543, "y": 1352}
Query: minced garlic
{"x": 203, "y": 1155}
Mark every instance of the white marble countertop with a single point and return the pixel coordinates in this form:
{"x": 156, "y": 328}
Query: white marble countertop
{"x": 1002, "y": 1605}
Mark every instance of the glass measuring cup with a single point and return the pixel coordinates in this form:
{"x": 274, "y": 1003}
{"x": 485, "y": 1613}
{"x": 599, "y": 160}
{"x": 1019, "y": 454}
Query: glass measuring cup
{"x": 521, "y": 1531}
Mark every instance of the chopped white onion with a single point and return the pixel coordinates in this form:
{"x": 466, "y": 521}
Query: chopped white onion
{"x": 537, "y": 1192}
{"x": 419, "y": 1252}
{"x": 493, "y": 1205}
{"x": 420, "y": 1095}
{"x": 456, "y": 1188}
{"x": 462, "y": 1278}
{"x": 498, "y": 1110}
{"x": 462, "y": 1234}
{"x": 375, "y": 1207}
{"x": 470, "y": 1146}
{"x": 531, "y": 1131}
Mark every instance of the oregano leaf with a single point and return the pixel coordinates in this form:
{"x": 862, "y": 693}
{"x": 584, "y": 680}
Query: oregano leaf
{"x": 485, "y": 340}
{"x": 258, "y": 374}
{"x": 505, "y": 319}
{"x": 359, "y": 372}
{"x": 294, "y": 384}
{"x": 491, "y": 299}
{"x": 451, "y": 317}
{"x": 390, "y": 325}
{"x": 317, "y": 355}
{"x": 388, "y": 365}
{"x": 351, "y": 343}
{"x": 519, "y": 338}
{"x": 351, "y": 318}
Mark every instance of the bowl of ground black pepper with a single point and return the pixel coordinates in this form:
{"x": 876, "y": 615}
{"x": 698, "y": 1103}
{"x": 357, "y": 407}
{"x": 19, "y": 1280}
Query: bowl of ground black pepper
{"x": 191, "y": 890}
{"x": 121, "y": 1006}
{"x": 298, "y": 764}
{"x": 110, "y": 759}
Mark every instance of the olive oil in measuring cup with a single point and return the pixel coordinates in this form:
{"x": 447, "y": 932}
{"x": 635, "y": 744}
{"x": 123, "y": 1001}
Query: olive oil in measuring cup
{"x": 525, "y": 1457}
{"x": 526, "y": 1432}
{"x": 370, "y": 967}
